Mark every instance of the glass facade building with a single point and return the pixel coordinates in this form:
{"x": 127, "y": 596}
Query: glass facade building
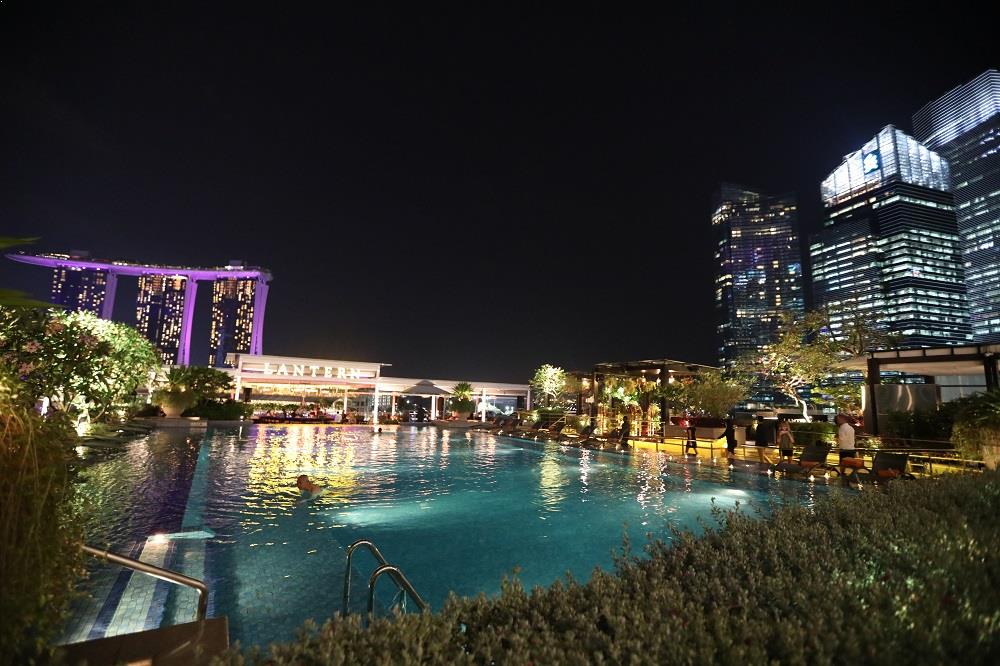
{"x": 82, "y": 289}
{"x": 759, "y": 267}
{"x": 160, "y": 312}
{"x": 890, "y": 245}
{"x": 234, "y": 303}
{"x": 964, "y": 127}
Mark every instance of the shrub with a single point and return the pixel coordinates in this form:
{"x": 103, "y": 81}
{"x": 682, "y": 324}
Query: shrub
{"x": 926, "y": 428}
{"x": 904, "y": 576}
{"x": 977, "y": 426}
{"x": 810, "y": 431}
{"x": 463, "y": 406}
{"x": 40, "y": 557}
{"x": 148, "y": 410}
{"x": 216, "y": 410}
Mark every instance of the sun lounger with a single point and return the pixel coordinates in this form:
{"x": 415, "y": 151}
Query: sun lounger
{"x": 813, "y": 459}
{"x": 886, "y": 467}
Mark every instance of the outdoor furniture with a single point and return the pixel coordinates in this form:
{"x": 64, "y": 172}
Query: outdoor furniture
{"x": 887, "y": 466}
{"x": 581, "y": 436}
{"x": 813, "y": 458}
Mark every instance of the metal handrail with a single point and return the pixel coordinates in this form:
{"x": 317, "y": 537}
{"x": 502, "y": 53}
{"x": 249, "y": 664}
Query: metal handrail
{"x": 347, "y": 574}
{"x": 157, "y": 572}
{"x": 400, "y": 580}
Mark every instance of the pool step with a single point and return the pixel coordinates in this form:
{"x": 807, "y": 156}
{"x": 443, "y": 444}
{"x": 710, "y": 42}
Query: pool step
{"x": 188, "y": 643}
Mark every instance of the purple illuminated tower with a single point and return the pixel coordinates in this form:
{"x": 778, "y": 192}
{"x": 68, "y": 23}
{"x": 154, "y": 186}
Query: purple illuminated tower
{"x": 165, "y": 305}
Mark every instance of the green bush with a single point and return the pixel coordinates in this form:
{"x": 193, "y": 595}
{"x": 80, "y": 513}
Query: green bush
{"x": 40, "y": 556}
{"x": 905, "y": 576}
{"x": 220, "y": 410}
{"x": 809, "y": 432}
{"x": 922, "y": 428}
{"x": 977, "y": 426}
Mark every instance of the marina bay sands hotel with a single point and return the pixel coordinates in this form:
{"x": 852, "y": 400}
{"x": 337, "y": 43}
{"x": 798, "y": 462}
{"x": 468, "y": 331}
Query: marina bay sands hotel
{"x": 165, "y": 304}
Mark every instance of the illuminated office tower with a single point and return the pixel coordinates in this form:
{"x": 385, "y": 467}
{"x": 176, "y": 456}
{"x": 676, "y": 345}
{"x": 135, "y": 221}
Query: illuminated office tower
{"x": 964, "y": 127}
{"x": 890, "y": 247}
{"x": 235, "y": 326}
{"x": 160, "y": 309}
{"x": 758, "y": 267}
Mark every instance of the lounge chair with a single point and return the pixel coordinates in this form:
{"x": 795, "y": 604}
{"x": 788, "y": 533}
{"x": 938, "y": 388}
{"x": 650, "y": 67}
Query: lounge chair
{"x": 886, "y": 467}
{"x": 813, "y": 458}
{"x": 527, "y": 431}
{"x": 583, "y": 435}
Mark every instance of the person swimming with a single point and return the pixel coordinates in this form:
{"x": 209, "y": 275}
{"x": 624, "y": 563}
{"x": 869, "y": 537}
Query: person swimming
{"x": 310, "y": 490}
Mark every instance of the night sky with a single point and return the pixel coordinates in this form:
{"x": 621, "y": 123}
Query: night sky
{"x": 465, "y": 193}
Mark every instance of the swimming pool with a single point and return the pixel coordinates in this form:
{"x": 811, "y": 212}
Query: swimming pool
{"x": 456, "y": 511}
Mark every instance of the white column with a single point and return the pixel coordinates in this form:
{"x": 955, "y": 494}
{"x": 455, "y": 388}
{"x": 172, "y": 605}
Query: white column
{"x": 345, "y": 401}
{"x": 434, "y": 407}
{"x": 527, "y": 399}
{"x": 482, "y": 408}
{"x": 375, "y": 407}
{"x": 393, "y": 407}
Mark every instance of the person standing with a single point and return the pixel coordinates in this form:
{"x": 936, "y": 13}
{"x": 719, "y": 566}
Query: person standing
{"x": 845, "y": 439}
{"x": 625, "y": 432}
{"x": 786, "y": 440}
{"x": 730, "y": 435}
{"x": 764, "y": 439}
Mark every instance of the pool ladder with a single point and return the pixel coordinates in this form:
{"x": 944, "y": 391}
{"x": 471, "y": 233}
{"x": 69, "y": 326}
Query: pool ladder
{"x": 383, "y": 568}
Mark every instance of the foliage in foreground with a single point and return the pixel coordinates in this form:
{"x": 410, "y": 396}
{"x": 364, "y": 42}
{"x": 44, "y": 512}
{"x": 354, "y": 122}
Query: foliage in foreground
{"x": 907, "y": 576}
{"x": 81, "y": 363}
{"x": 40, "y": 557}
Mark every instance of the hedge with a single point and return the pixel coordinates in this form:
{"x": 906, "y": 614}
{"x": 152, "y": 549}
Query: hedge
{"x": 909, "y": 575}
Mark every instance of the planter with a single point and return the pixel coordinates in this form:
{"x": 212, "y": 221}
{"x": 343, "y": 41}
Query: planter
{"x": 172, "y": 411}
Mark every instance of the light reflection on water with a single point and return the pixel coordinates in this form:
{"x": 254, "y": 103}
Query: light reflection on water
{"x": 430, "y": 500}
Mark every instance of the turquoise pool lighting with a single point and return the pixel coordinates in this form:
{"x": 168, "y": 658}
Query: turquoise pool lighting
{"x": 456, "y": 511}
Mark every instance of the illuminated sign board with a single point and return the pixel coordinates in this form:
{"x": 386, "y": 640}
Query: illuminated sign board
{"x": 304, "y": 369}
{"x": 870, "y": 162}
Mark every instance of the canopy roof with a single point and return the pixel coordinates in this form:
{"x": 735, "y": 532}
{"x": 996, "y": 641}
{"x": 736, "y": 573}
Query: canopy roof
{"x": 425, "y": 388}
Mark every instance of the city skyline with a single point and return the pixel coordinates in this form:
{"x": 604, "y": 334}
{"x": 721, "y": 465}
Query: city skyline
{"x": 414, "y": 189}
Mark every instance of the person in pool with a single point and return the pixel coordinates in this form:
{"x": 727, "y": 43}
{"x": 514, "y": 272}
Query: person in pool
{"x": 310, "y": 490}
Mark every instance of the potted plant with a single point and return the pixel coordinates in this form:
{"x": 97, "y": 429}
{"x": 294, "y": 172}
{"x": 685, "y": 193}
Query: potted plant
{"x": 173, "y": 402}
{"x": 175, "y": 395}
{"x": 462, "y": 403}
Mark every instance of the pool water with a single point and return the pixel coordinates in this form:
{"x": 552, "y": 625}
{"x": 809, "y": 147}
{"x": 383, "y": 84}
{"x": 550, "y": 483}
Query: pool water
{"x": 455, "y": 510}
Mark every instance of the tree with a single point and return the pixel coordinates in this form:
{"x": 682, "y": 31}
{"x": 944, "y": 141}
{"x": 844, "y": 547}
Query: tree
{"x": 803, "y": 356}
{"x": 549, "y": 381}
{"x": 854, "y": 332}
{"x": 462, "y": 391}
{"x": 713, "y": 394}
{"x": 461, "y": 398}
{"x": 83, "y": 364}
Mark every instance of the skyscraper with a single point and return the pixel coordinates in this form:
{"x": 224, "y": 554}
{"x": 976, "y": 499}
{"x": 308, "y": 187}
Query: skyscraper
{"x": 235, "y": 302}
{"x": 889, "y": 246}
{"x": 964, "y": 127}
{"x": 166, "y": 300}
{"x": 759, "y": 272}
{"x": 159, "y": 312}
{"x": 79, "y": 289}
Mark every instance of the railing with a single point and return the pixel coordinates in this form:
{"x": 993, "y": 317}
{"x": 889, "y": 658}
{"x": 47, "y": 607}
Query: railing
{"x": 384, "y": 567}
{"x": 157, "y": 572}
{"x": 401, "y": 581}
